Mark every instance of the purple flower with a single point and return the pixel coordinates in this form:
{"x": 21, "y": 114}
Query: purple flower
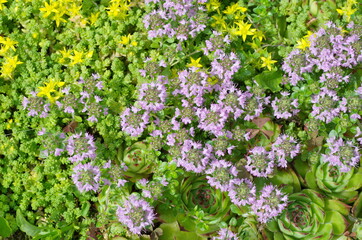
{"x": 285, "y": 148}
{"x": 230, "y": 99}
{"x": 136, "y": 214}
{"x": 240, "y": 134}
{"x": 225, "y": 234}
{"x": 242, "y": 192}
{"x": 260, "y": 163}
{"x": 36, "y": 106}
{"x": 252, "y": 105}
{"x": 224, "y": 65}
{"x": 152, "y": 96}
{"x": 270, "y": 203}
{"x": 221, "y": 144}
{"x": 220, "y": 174}
{"x": 332, "y": 79}
{"x": 285, "y": 107}
{"x": 81, "y": 147}
{"x": 342, "y": 154}
{"x": 327, "y": 105}
{"x": 134, "y": 121}
{"x": 194, "y": 156}
{"x": 86, "y": 177}
{"x": 295, "y": 64}
{"x": 213, "y": 119}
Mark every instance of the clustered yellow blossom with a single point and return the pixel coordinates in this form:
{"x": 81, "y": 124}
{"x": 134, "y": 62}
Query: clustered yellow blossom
{"x": 49, "y": 90}
{"x": 118, "y": 9}
{"x": 304, "y": 42}
{"x": 73, "y": 57}
{"x": 60, "y": 10}
{"x": 7, "y": 48}
{"x": 267, "y": 62}
{"x": 1, "y": 4}
{"x": 347, "y": 10}
{"x": 126, "y": 40}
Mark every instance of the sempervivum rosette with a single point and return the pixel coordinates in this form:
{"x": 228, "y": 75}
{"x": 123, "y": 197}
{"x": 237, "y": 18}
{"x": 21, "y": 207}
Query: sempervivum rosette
{"x": 309, "y": 216}
{"x": 140, "y": 158}
{"x": 335, "y": 183}
{"x": 196, "y": 193}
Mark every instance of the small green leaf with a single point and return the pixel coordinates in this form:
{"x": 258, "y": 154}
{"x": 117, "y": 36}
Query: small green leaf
{"x": 335, "y": 205}
{"x": 78, "y": 119}
{"x": 25, "y": 226}
{"x": 338, "y": 222}
{"x": 270, "y": 80}
{"x": 5, "y": 230}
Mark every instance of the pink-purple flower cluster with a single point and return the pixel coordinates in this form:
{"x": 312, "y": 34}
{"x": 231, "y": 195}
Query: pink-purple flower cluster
{"x": 269, "y": 204}
{"x": 36, "y": 106}
{"x": 327, "y": 105}
{"x": 225, "y": 234}
{"x": 331, "y": 50}
{"x": 180, "y": 19}
{"x": 86, "y": 177}
{"x": 81, "y": 147}
{"x": 136, "y": 214}
{"x": 343, "y": 154}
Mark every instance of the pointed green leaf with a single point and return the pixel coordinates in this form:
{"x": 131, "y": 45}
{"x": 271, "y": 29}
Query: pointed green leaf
{"x": 270, "y": 80}
{"x": 338, "y": 222}
{"x": 335, "y": 205}
{"x": 5, "y": 230}
{"x": 25, "y": 226}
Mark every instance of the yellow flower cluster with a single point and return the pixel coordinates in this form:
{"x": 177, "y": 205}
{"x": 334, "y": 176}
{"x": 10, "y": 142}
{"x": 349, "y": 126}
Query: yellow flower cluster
{"x": 304, "y": 42}
{"x": 49, "y": 90}
{"x": 59, "y": 9}
{"x": 73, "y": 57}
{"x": 7, "y": 48}
{"x": 239, "y": 27}
{"x": 118, "y": 9}
{"x": 347, "y": 10}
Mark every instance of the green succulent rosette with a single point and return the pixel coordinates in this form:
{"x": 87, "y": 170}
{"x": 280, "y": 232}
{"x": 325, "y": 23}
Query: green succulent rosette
{"x": 309, "y": 216}
{"x": 212, "y": 205}
{"x": 201, "y": 207}
{"x": 140, "y": 159}
{"x": 331, "y": 181}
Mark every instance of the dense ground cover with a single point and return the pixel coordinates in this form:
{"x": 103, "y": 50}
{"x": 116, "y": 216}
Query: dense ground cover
{"x": 192, "y": 119}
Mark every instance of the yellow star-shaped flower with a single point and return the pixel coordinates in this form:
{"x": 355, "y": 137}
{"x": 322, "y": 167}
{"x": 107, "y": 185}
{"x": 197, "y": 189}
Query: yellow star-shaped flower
{"x": 8, "y": 43}
{"x": 48, "y": 9}
{"x": 194, "y": 63}
{"x": 93, "y": 18}
{"x": 77, "y": 58}
{"x": 244, "y": 30}
{"x": 49, "y": 89}
{"x": 347, "y": 11}
{"x": 259, "y": 34}
{"x": 303, "y": 43}
{"x": 1, "y": 4}
{"x": 267, "y": 62}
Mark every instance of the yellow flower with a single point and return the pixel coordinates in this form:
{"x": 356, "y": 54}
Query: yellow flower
{"x": 114, "y": 10}
{"x": 93, "y": 18}
{"x": 1, "y": 4}
{"x": 74, "y": 9}
{"x": 194, "y": 63}
{"x": 259, "y": 34}
{"x": 48, "y": 9}
{"x": 303, "y": 43}
{"x": 232, "y": 9}
{"x": 347, "y": 11}
{"x": 267, "y": 62}
{"x": 58, "y": 18}
{"x": 8, "y": 43}
{"x": 219, "y": 20}
{"x": 213, "y": 5}
{"x": 127, "y": 40}
{"x": 77, "y": 58}
{"x": 244, "y": 30}
{"x": 50, "y": 88}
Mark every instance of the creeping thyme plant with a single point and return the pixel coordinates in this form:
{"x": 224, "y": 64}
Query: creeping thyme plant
{"x": 191, "y": 119}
